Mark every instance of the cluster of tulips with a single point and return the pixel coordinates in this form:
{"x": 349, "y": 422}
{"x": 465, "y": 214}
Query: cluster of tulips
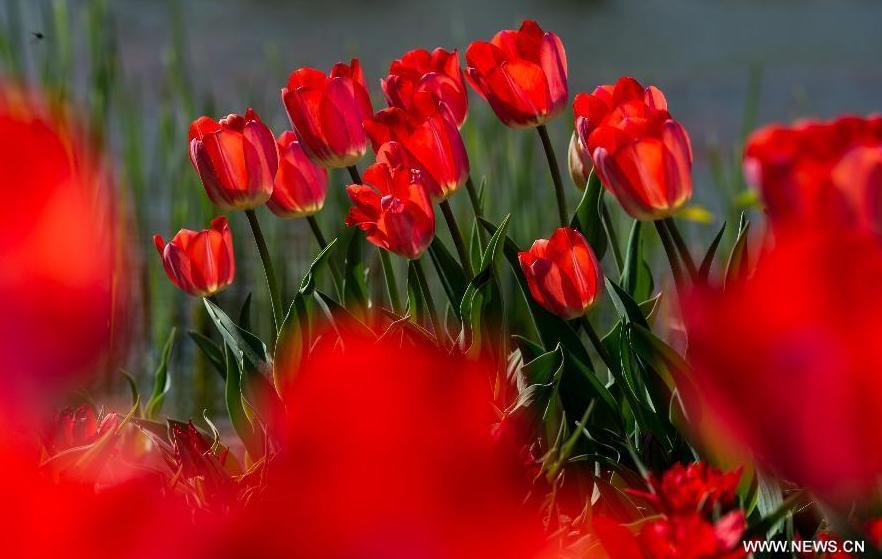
{"x": 383, "y": 428}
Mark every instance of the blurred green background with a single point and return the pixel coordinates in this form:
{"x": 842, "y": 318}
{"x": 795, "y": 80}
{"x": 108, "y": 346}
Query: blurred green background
{"x": 139, "y": 71}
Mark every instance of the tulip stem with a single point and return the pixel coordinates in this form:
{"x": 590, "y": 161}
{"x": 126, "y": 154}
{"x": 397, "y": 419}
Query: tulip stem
{"x": 555, "y": 175}
{"x": 275, "y": 296}
{"x": 671, "y": 252}
{"x": 427, "y": 295}
{"x": 457, "y": 239}
{"x": 353, "y": 172}
{"x": 323, "y": 243}
{"x": 681, "y": 247}
{"x": 597, "y": 343}
{"x": 391, "y": 284}
{"x": 475, "y": 200}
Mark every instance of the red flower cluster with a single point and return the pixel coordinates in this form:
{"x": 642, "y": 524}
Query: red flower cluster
{"x": 819, "y": 173}
{"x": 642, "y": 155}
{"x": 687, "y": 498}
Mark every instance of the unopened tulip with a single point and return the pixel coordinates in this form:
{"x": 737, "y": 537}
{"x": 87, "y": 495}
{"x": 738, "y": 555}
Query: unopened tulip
{"x": 394, "y": 210}
{"x": 424, "y": 139}
{"x": 326, "y": 112}
{"x": 562, "y": 273}
{"x": 437, "y": 73}
{"x": 522, "y": 74}
{"x": 300, "y": 185}
{"x": 579, "y": 162}
{"x": 641, "y": 154}
{"x": 819, "y": 173}
{"x": 199, "y": 263}
{"x": 788, "y": 359}
{"x": 236, "y": 159}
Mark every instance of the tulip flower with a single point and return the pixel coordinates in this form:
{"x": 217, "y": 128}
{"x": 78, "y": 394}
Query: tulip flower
{"x": 522, "y": 74}
{"x": 326, "y": 112}
{"x": 437, "y": 73}
{"x": 78, "y": 427}
{"x": 641, "y": 154}
{"x": 788, "y": 359}
{"x": 562, "y": 273}
{"x": 394, "y": 210}
{"x": 697, "y": 487}
{"x": 819, "y": 173}
{"x": 579, "y": 162}
{"x": 199, "y": 263}
{"x": 424, "y": 139}
{"x": 300, "y": 184}
{"x": 236, "y": 159}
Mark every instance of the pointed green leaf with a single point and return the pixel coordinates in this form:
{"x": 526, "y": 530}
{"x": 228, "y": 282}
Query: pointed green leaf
{"x": 161, "y": 379}
{"x": 587, "y": 219}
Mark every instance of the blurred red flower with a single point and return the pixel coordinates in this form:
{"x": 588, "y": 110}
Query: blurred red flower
{"x": 522, "y": 74}
{"x": 437, "y": 73}
{"x": 423, "y": 138}
{"x": 199, "y": 263}
{"x": 697, "y": 487}
{"x": 78, "y": 426}
{"x": 62, "y": 251}
{"x": 236, "y": 158}
{"x": 815, "y": 173}
{"x": 562, "y": 273}
{"x": 393, "y": 208}
{"x": 326, "y": 112}
{"x": 300, "y": 184}
{"x": 789, "y": 361}
{"x": 641, "y": 154}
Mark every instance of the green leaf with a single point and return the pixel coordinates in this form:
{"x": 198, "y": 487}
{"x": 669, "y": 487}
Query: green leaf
{"x": 626, "y": 305}
{"x": 587, "y": 219}
{"x": 708, "y": 260}
{"x": 356, "y": 295}
{"x": 249, "y": 350}
{"x": 161, "y": 379}
{"x": 236, "y": 409}
{"x": 416, "y": 302}
{"x": 453, "y": 279}
{"x": 737, "y": 268}
{"x": 245, "y": 313}
{"x": 341, "y": 318}
{"x": 636, "y": 275}
{"x": 211, "y": 349}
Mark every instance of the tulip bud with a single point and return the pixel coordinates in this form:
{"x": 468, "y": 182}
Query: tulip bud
{"x": 437, "y": 73}
{"x": 640, "y": 153}
{"x": 199, "y": 263}
{"x": 395, "y": 211}
{"x": 300, "y": 185}
{"x": 562, "y": 273}
{"x": 236, "y": 159}
{"x": 424, "y": 139}
{"x": 522, "y": 74}
{"x": 579, "y": 162}
{"x": 326, "y": 113}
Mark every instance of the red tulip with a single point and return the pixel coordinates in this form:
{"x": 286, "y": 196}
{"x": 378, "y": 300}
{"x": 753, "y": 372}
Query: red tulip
{"x": 562, "y": 273}
{"x": 236, "y": 159}
{"x": 326, "y": 112}
{"x": 199, "y": 263}
{"x": 640, "y": 153}
{"x": 816, "y": 173}
{"x": 579, "y": 162}
{"x": 393, "y": 209}
{"x": 424, "y": 139}
{"x": 789, "y": 359}
{"x": 437, "y": 73}
{"x": 522, "y": 74}
{"x": 300, "y": 185}
{"x": 690, "y": 489}
{"x": 78, "y": 427}
{"x": 61, "y": 249}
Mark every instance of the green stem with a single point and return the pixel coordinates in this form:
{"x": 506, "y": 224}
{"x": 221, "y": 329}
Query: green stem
{"x": 353, "y": 172}
{"x": 597, "y": 343}
{"x": 391, "y": 283}
{"x": 457, "y": 239}
{"x": 430, "y": 302}
{"x": 671, "y": 252}
{"x": 275, "y": 296}
{"x": 323, "y": 243}
{"x": 681, "y": 247}
{"x": 612, "y": 235}
{"x": 562, "y": 212}
{"x": 475, "y": 200}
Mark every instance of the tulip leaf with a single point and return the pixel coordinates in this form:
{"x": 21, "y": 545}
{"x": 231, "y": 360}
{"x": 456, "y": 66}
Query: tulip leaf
{"x": 626, "y": 305}
{"x": 739, "y": 258}
{"x": 636, "y": 275}
{"x": 588, "y": 217}
{"x": 213, "y": 352}
{"x": 539, "y": 378}
{"x": 341, "y": 318}
{"x": 355, "y": 290}
{"x": 416, "y": 302}
{"x": 248, "y": 349}
{"x": 708, "y": 260}
{"x": 235, "y": 407}
{"x": 453, "y": 279}
{"x": 529, "y": 349}
{"x": 245, "y": 313}
{"x": 161, "y": 379}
